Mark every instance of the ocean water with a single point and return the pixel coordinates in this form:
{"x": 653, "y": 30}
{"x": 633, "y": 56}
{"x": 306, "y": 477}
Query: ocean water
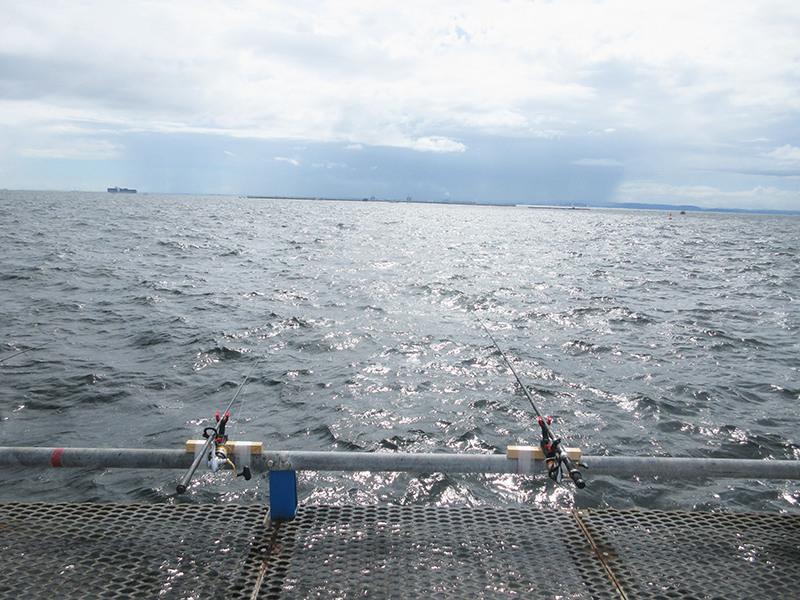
{"x": 642, "y": 333}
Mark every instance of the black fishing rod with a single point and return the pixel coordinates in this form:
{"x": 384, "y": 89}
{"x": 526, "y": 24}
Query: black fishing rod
{"x": 559, "y": 464}
{"x": 23, "y": 352}
{"x": 216, "y": 437}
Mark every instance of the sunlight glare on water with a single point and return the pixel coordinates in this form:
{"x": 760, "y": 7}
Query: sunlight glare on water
{"x": 641, "y": 335}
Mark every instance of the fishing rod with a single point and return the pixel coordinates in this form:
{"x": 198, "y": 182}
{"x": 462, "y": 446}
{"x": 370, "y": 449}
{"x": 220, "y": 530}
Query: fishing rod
{"x": 559, "y": 464}
{"x": 216, "y": 437}
{"x": 23, "y": 352}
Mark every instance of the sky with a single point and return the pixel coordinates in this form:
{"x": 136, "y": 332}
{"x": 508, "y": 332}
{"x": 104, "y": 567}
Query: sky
{"x": 518, "y": 101}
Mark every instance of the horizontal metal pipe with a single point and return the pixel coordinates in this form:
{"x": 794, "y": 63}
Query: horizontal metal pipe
{"x": 389, "y": 461}
{"x": 289, "y": 460}
{"x": 95, "y": 458}
{"x": 616, "y": 466}
{"x": 100, "y": 458}
{"x": 691, "y": 468}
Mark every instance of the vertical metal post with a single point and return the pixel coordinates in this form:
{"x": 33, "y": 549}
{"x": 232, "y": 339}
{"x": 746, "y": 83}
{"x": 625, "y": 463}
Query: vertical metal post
{"x": 282, "y": 494}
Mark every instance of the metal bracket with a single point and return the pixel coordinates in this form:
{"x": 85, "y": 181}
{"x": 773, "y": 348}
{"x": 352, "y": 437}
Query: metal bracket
{"x": 282, "y": 494}
{"x": 525, "y": 456}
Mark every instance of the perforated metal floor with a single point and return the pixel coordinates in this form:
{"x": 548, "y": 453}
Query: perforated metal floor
{"x": 91, "y": 551}
{"x": 76, "y": 551}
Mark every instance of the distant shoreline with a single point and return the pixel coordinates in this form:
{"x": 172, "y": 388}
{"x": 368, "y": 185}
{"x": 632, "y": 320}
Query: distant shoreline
{"x": 612, "y": 206}
{"x": 577, "y": 206}
{"x": 384, "y": 200}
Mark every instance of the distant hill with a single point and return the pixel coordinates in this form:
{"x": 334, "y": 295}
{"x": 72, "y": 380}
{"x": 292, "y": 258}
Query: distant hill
{"x": 674, "y": 208}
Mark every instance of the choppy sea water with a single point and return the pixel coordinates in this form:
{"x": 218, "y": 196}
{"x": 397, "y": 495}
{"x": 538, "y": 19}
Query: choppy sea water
{"x": 642, "y": 333}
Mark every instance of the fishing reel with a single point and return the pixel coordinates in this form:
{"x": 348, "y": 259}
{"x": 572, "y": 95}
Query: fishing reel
{"x": 218, "y": 452}
{"x": 559, "y": 464}
{"x": 220, "y": 455}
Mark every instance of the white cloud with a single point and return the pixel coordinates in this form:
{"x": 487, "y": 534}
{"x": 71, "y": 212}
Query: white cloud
{"x": 83, "y": 148}
{"x": 293, "y": 161}
{"x": 785, "y": 154}
{"x": 598, "y": 162}
{"x": 436, "y": 144}
{"x": 759, "y": 197}
{"x": 356, "y": 72}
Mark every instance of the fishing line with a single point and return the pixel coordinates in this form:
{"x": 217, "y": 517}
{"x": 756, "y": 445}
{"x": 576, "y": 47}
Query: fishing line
{"x": 242, "y": 403}
{"x": 241, "y": 385}
{"x": 519, "y": 381}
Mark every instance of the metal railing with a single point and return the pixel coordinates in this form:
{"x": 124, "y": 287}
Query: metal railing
{"x": 297, "y": 460}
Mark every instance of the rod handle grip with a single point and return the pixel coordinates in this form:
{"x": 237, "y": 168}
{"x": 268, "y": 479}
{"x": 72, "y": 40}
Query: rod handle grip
{"x": 577, "y": 479}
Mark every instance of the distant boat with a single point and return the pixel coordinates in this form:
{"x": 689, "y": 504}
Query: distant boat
{"x": 119, "y": 190}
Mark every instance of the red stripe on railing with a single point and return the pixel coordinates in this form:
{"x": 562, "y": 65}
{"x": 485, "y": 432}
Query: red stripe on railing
{"x": 55, "y": 458}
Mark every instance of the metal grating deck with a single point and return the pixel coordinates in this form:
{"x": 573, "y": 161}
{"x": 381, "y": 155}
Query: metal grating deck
{"x": 76, "y": 551}
{"x": 92, "y": 551}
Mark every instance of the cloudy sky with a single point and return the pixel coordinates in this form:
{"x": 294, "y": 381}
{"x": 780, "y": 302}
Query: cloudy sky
{"x": 681, "y": 102}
